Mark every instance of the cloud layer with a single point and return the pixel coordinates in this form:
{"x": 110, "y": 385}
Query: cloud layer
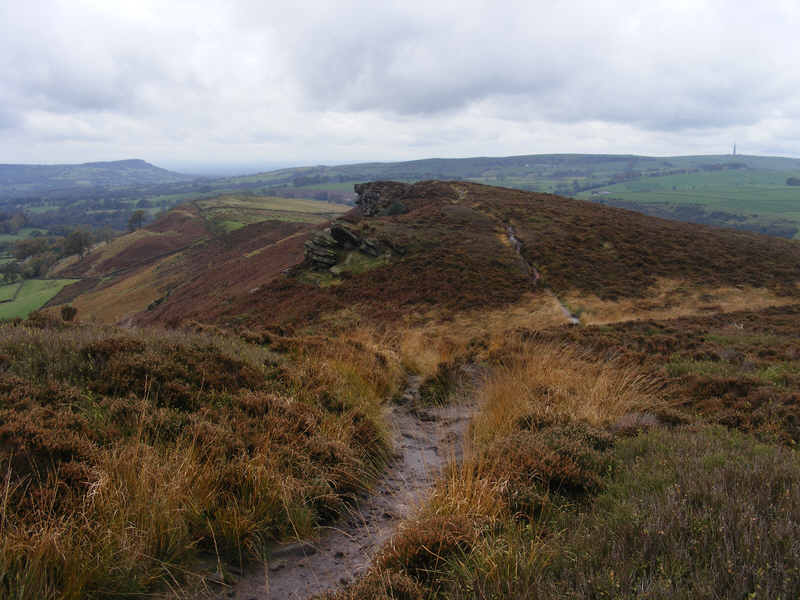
{"x": 246, "y": 81}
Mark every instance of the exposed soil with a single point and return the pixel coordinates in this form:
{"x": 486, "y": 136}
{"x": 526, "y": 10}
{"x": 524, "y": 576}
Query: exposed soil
{"x": 534, "y": 274}
{"x": 426, "y": 438}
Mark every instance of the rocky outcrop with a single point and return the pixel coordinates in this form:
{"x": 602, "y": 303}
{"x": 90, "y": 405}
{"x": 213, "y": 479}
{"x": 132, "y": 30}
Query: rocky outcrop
{"x": 345, "y": 237}
{"x": 326, "y": 248}
{"x": 381, "y": 198}
{"x": 321, "y": 250}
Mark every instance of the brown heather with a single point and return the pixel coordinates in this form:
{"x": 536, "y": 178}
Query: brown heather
{"x": 623, "y": 458}
{"x": 128, "y": 455}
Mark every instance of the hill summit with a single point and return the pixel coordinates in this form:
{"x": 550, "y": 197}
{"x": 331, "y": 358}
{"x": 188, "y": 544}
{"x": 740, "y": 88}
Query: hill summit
{"x": 22, "y": 181}
{"x": 451, "y": 246}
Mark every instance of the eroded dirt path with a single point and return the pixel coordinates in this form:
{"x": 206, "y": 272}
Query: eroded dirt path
{"x": 426, "y": 438}
{"x": 535, "y": 276}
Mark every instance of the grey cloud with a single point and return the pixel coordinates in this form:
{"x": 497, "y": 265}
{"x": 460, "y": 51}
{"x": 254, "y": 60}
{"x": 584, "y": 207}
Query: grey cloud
{"x": 8, "y": 119}
{"x": 656, "y": 67}
{"x": 356, "y": 80}
{"x": 64, "y": 60}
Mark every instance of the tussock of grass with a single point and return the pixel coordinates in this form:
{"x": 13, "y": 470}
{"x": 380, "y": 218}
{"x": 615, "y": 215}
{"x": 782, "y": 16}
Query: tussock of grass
{"x": 553, "y": 382}
{"x": 126, "y": 455}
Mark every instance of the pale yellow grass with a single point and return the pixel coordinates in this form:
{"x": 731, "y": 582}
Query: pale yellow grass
{"x": 62, "y": 265}
{"x": 549, "y": 381}
{"x": 143, "y": 504}
{"x": 128, "y": 296}
{"x": 670, "y": 299}
{"x": 423, "y": 347}
{"x": 68, "y": 261}
{"x": 273, "y": 203}
{"x": 542, "y": 381}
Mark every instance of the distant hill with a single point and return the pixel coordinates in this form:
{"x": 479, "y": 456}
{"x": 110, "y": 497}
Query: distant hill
{"x": 20, "y": 181}
{"x": 531, "y": 169}
{"x": 736, "y": 191}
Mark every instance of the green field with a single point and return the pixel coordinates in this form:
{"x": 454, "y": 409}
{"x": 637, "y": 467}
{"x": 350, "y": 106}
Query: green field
{"x": 757, "y": 196}
{"x": 33, "y": 294}
{"x": 22, "y": 234}
{"x": 743, "y": 192}
{"x": 7, "y": 291}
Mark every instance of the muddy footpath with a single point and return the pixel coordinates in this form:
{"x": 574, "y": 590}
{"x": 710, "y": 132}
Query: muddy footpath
{"x": 426, "y": 438}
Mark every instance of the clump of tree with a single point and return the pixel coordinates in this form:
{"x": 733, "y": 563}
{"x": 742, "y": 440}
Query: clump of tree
{"x": 35, "y": 255}
{"x": 12, "y": 223}
{"x": 793, "y": 181}
{"x": 78, "y": 242}
{"x": 136, "y": 220}
{"x": 10, "y": 272}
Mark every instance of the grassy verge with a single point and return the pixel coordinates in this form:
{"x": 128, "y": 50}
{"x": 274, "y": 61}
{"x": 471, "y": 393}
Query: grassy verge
{"x": 128, "y": 455}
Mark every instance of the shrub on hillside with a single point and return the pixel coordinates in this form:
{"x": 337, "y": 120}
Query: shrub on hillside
{"x": 537, "y": 464}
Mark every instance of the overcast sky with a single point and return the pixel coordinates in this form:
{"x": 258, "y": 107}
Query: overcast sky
{"x": 271, "y": 82}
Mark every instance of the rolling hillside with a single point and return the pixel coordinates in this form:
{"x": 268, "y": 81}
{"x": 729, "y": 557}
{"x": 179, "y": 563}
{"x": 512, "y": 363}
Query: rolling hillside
{"x": 451, "y": 390}
{"x": 219, "y": 243}
{"x": 450, "y": 249}
{"x": 741, "y": 192}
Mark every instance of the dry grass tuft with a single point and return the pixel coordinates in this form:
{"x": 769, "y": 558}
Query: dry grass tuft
{"x": 552, "y": 382}
{"x": 443, "y": 339}
{"x": 381, "y": 584}
{"x": 126, "y": 455}
{"x": 424, "y": 545}
{"x": 671, "y": 299}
